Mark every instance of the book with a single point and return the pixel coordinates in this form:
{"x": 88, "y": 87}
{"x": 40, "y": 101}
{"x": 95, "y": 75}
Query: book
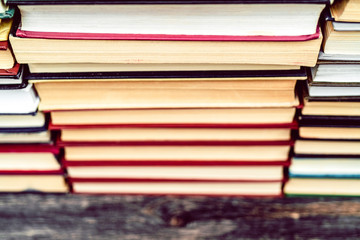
{"x": 114, "y": 95}
{"x": 244, "y": 22}
{"x": 180, "y": 188}
{"x": 33, "y": 183}
{"x": 19, "y": 101}
{"x": 25, "y": 137}
{"x": 166, "y": 173}
{"x": 331, "y": 108}
{"x": 176, "y": 154}
{"x": 334, "y": 132}
{"x": 340, "y": 42}
{"x": 299, "y": 53}
{"x": 167, "y": 135}
{"x": 202, "y": 117}
{"x": 23, "y": 163}
{"x": 322, "y": 187}
{"x": 346, "y": 11}
{"x": 146, "y": 67}
{"x": 327, "y": 147}
{"x": 23, "y": 123}
{"x": 324, "y": 168}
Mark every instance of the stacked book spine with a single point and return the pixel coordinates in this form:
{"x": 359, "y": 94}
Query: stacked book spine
{"x": 148, "y": 103}
{"x": 327, "y": 155}
{"x": 28, "y": 158}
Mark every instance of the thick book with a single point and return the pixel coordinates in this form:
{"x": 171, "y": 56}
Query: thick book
{"x": 146, "y": 95}
{"x": 156, "y": 52}
{"x": 172, "y": 21}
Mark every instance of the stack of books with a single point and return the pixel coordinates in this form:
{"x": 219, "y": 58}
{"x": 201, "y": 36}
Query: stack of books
{"x": 27, "y": 157}
{"x": 150, "y": 97}
{"x": 327, "y": 156}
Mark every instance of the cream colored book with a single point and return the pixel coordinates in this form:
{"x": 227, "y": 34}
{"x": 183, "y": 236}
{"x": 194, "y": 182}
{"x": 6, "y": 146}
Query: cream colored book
{"x": 23, "y": 121}
{"x": 331, "y": 108}
{"x": 26, "y": 137}
{"x": 19, "y": 161}
{"x": 346, "y": 10}
{"x": 41, "y": 183}
{"x": 225, "y": 173}
{"x": 180, "y": 188}
{"x": 330, "y": 132}
{"x": 298, "y": 53}
{"x": 174, "y": 134}
{"x": 115, "y": 95}
{"x": 323, "y": 147}
{"x": 177, "y": 153}
{"x": 327, "y": 187}
{"x": 175, "y": 116}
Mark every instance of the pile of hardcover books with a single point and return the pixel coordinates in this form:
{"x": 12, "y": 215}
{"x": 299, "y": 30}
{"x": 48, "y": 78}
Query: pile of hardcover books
{"x": 153, "y": 97}
{"x": 27, "y": 156}
{"x": 327, "y": 158}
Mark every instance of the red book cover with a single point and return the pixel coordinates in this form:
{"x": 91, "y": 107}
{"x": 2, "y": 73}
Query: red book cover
{"x": 12, "y": 71}
{"x": 3, "y": 45}
{"x": 29, "y": 148}
{"x": 160, "y": 37}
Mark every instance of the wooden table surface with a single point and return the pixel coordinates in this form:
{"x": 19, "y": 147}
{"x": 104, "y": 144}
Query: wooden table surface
{"x": 51, "y": 216}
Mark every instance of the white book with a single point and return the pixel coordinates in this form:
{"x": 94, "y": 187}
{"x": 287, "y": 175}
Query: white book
{"x": 336, "y": 73}
{"x": 174, "y": 19}
{"x": 19, "y": 101}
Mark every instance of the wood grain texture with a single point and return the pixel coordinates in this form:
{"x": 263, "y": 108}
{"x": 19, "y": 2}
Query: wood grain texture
{"x": 40, "y": 216}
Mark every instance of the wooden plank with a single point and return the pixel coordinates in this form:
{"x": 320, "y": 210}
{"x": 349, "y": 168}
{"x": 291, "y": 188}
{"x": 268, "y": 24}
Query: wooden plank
{"x": 48, "y": 216}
